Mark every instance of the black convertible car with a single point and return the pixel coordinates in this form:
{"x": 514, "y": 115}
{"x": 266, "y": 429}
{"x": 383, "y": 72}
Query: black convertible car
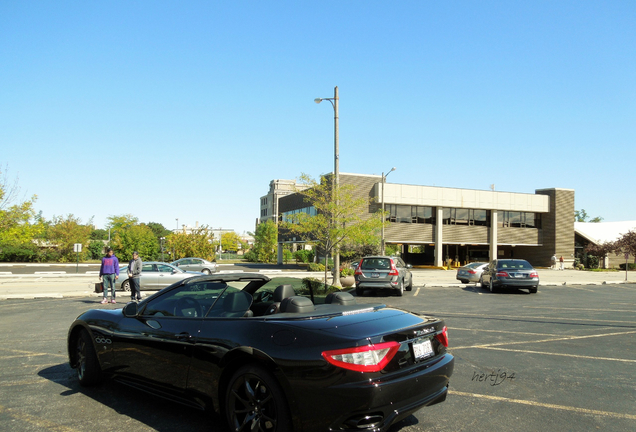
{"x": 267, "y": 355}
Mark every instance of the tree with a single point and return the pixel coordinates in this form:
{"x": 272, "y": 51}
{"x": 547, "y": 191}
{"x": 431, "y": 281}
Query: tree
{"x": 627, "y": 244}
{"x": 121, "y": 222}
{"x": 19, "y": 224}
{"x": 199, "y": 242}
{"x": 265, "y": 240}
{"x": 332, "y": 225}
{"x": 159, "y": 230}
{"x": 65, "y": 231}
{"x": 230, "y": 241}
{"x": 138, "y": 238}
{"x": 582, "y": 216}
{"x": 600, "y": 251}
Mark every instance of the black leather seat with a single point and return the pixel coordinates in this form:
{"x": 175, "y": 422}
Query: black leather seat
{"x": 237, "y": 304}
{"x": 280, "y": 293}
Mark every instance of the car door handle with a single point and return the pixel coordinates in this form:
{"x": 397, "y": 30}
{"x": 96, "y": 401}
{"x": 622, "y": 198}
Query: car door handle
{"x": 185, "y": 336}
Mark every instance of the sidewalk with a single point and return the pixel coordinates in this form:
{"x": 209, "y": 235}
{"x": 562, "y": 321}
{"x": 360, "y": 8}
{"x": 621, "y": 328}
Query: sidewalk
{"x": 31, "y": 286}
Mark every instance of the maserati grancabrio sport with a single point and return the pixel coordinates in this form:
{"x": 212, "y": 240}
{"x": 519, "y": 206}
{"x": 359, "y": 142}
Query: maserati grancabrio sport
{"x": 268, "y": 356}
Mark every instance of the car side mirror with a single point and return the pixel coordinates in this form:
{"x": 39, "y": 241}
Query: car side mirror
{"x": 130, "y": 310}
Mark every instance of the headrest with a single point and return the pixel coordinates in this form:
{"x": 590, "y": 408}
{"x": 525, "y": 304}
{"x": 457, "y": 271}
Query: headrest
{"x": 282, "y": 292}
{"x": 341, "y": 298}
{"x": 296, "y": 304}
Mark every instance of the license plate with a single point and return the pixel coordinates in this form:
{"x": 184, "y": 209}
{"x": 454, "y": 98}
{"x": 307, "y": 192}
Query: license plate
{"x": 520, "y": 275}
{"x": 375, "y": 275}
{"x": 423, "y": 349}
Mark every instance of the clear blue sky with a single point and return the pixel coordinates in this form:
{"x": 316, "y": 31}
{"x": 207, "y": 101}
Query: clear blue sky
{"x": 187, "y": 110}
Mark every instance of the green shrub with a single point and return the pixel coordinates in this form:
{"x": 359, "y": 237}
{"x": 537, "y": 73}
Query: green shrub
{"x": 346, "y": 272}
{"x": 304, "y": 256}
{"x": 592, "y": 261}
{"x": 315, "y": 267}
{"x": 630, "y": 266}
{"x": 19, "y": 253}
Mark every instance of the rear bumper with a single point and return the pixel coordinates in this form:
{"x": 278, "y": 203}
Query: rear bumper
{"x": 375, "y": 404}
{"x": 516, "y": 283}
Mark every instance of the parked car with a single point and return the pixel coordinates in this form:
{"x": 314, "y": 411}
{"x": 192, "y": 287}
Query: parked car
{"x": 509, "y": 273}
{"x": 154, "y": 276}
{"x": 382, "y": 272}
{"x": 266, "y": 358}
{"x": 470, "y": 272}
{"x": 196, "y": 264}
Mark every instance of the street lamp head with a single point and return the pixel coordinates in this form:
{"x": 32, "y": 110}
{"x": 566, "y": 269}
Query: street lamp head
{"x": 318, "y": 100}
{"x": 392, "y": 169}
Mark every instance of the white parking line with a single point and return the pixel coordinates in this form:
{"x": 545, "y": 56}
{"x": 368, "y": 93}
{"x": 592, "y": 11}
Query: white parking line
{"x": 417, "y": 291}
{"x": 434, "y": 312}
{"x": 561, "y": 354}
{"x": 566, "y": 338}
{"x": 578, "y": 309}
{"x": 545, "y": 405}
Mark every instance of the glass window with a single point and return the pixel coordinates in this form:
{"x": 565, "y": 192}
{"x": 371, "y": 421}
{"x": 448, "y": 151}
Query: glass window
{"x": 188, "y": 301}
{"x": 403, "y": 214}
{"x": 148, "y": 268}
{"x": 164, "y": 268}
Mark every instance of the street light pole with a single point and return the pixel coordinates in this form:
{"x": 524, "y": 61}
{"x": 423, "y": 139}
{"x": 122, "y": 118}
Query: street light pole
{"x": 336, "y": 175}
{"x": 384, "y": 221}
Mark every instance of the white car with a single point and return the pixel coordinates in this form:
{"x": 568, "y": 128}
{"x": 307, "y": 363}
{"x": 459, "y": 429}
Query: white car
{"x": 154, "y": 276}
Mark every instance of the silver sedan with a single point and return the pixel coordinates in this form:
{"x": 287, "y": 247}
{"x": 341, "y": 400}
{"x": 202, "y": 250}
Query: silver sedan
{"x": 196, "y": 264}
{"x": 154, "y": 276}
{"x": 470, "y": 272}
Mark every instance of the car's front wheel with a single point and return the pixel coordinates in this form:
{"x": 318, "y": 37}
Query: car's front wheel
{"x": 206, "y": 271}
{"x": 89, "y": 371}
{"x": 255, "y": 401}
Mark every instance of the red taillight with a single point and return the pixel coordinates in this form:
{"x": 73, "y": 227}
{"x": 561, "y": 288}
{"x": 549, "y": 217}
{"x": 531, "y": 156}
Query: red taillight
{"x": 358, "y": 269}
{"x": 472, "y": 271}
{"x": 443, "y": 337}
{"x": 534, "y": 274}
{"x": 369, "y": 358}
{"x": 502, "y": 274}
{"x": 394, "y": 271}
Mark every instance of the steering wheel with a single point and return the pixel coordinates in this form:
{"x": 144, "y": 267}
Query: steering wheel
{"x": 184, "y": 306}
{"x": 264, "y": 296}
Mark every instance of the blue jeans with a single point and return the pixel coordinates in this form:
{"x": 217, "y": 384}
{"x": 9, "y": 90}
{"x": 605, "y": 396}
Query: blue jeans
{"x": 109, "y": 283}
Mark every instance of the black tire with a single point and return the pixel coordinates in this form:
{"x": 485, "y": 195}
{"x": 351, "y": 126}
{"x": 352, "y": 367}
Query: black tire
{"x": 125, "y": 285}
{"x": 89, "y": 372}
{"x": 206, "y": 271}
{"x": 493, "y": 289}
{"x": 410, "y": 285}
{"x": 481, "y": 282}
{"x": 359, "y": 292}
{"x": 400, "y": 291}
{"x": 533, "y": 290}
{"x": 254, "y": 401}
{"x": 464, "y": 281}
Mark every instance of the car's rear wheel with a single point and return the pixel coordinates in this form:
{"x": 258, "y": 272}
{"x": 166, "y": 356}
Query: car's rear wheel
{"x": 464, "y": 281}
{"x": 533, "y": 290}
{"x": 493, "y": 288}
{"x": 255, "y": 402}
{"x": 400, "y": 290}
{"x": 206, "y": 271}
{"x": 359, "y": 292}
{"x": 410, "y": 285}
{"x": 125, "y": 285}
{"x": 88, "y": 370}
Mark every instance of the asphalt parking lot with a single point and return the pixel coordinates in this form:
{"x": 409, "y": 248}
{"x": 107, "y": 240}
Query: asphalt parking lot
{"x": 563, "y": 359}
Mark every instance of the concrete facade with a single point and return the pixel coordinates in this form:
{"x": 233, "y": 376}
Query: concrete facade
{"x": 435, "y": 224}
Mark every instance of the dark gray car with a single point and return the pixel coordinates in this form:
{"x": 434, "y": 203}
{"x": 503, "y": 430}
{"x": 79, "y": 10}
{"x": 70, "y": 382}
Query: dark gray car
{"x": 509, "y": 273}
{"x": 383, "y": 272}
